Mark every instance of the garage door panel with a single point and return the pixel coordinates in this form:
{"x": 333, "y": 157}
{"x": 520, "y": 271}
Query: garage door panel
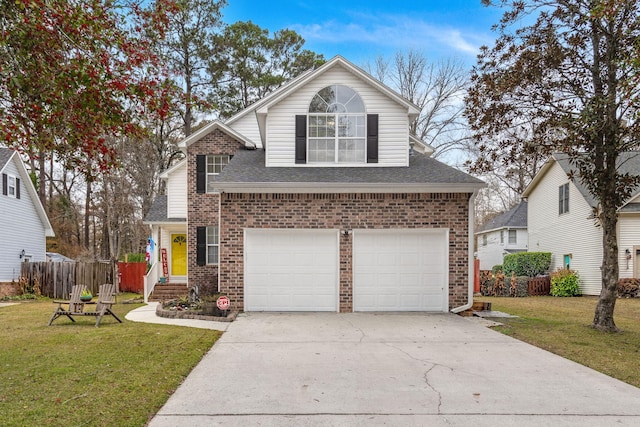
{"x": 291, "y": 270}
{"x": 400, "y": 270}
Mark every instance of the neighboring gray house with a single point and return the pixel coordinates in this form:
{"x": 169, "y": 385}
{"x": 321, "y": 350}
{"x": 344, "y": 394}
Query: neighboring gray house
{"x": 503, "y": 235}
{"x": 561, "y": 221}
{"x": 24, "y": 225}
{"x": 318, "y": 198}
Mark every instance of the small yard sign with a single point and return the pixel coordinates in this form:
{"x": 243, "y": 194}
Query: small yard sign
{"x": 223, "y": 303}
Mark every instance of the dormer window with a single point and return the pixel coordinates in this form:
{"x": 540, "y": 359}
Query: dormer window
{"x": 336, "y": 127}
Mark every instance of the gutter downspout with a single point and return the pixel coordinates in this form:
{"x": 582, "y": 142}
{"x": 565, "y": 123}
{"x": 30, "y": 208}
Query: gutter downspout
{"x": 471, "y": 245}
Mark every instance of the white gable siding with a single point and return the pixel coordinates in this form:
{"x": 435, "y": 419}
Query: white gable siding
{"x": 571, "y": 233}
{"x": 492, "y": 253}
{"x": 247, "y": 126}
{"x": 20, "y": 228}
{"x": 177, "y": 193}
{"x": 629, "y": 238}
{"x": 393, "y": 124}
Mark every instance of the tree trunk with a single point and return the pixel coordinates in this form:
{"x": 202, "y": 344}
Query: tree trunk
{"x": 603, "y": 319}
{"x": 87, "y": 213}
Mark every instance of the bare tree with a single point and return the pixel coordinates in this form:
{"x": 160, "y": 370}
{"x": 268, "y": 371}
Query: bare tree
{"x": 437, "y": 88}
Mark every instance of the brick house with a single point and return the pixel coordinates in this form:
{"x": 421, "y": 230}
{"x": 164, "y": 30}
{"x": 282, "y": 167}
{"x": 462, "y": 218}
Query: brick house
{"x": 317, "y": 198}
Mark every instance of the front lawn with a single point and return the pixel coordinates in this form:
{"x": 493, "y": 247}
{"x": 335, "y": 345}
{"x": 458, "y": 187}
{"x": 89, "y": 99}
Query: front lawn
{"x": 561, "y": 325}
{"x": 74, "y": 374}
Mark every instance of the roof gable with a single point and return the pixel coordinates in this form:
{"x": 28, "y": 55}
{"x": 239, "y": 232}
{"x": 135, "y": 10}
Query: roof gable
{"x": 516, "y": 217}
{"x": 7, "y": 155}
{"x": 629, "y": 162}
{"x": 206, "y": 130}
{"x": 261, "y": 107}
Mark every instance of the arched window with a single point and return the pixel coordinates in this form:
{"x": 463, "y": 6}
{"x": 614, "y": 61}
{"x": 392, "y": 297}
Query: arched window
{"x": 336, "y": 126}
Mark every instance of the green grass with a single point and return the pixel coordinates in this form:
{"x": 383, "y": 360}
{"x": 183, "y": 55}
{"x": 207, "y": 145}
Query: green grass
{"x": 74, "y": 374}
{"x": 562, "y": 326}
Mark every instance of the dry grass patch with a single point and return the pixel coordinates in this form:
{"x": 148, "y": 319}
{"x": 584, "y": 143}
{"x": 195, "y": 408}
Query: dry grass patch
{"x": 562, "y": 326}
{"x": 74, "y": 374}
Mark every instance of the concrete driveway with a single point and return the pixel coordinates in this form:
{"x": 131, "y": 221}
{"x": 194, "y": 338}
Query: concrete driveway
{"x": 389, "y": 369}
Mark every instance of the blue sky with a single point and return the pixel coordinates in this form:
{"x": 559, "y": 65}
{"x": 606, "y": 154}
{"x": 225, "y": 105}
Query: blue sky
{"x": 363, "y": 30}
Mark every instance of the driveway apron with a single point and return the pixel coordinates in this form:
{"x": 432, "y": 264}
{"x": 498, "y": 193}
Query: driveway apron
{"x": 279, "y": 369}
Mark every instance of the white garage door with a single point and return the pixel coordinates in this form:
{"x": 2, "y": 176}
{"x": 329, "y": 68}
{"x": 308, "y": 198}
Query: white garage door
{"x": 400, "y": 270}
{"x": 291, "y": 270}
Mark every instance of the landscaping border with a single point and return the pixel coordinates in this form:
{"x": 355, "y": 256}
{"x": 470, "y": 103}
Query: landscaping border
{"x": 175, "y": 314}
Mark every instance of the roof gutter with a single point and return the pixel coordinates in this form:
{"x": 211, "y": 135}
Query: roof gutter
{"x": 471, "y": 245}
{"x": 344, "y": 187}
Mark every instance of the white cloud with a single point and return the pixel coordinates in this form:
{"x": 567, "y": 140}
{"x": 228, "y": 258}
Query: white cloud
{"x": 395, "y": 31}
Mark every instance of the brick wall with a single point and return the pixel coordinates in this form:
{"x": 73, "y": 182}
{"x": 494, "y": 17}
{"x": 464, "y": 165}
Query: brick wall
{"x": 202, "y": 209}
{"x": 343, "y": 211}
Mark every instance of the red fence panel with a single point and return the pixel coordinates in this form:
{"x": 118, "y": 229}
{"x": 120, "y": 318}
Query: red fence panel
{"x": 132, "y": 276}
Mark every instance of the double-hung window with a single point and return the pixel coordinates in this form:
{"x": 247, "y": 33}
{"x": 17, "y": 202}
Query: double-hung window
{"x": 215, "y": 164}
{"x": 337, "y": 127}
{"x": 213, "y": 245}
{"x": 513, "y": 237}
{"x": 563, "y": 199}
{"x": 10, "y": 186}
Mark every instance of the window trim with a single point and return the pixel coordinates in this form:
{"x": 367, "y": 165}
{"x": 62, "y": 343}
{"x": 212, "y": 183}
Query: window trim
{"x": 484, "y": 240}
{"x": 515, "y": 237}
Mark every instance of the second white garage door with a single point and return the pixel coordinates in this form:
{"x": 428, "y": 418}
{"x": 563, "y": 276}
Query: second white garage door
{"x": 400, "y": 270}
{"x": 291, "y": 270}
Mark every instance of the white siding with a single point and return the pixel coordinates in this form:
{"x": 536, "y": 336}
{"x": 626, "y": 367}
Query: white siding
{"x": 493, "y": 253}
{"x": 247, "y": 126}
{"x": 393, "y": 121}
{"x": 629, "y": 238}
{"x": 177, "y": 193}
{"x": 20, "y": 228}
{"x": 571, "y": 233}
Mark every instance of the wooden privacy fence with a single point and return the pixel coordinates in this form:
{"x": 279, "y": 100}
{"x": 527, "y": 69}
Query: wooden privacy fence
{"x": 57, "y": 278}
{"x": 539, "y": 285}
{"x": 131, "y": 276}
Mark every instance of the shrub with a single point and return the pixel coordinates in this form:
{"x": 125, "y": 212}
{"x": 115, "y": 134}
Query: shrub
{"x": 496, "y": 268}
{"x": 565, "y": 283}
{"x": 628, "y": 288}
{"x": 134, "y": 257}
{"x": 500, "y": 286}
{"x": 527, "y": 263}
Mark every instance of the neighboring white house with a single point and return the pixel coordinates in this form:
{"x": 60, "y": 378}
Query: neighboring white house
{"x": 503, "y": 235}
{"x": 561, "y": 221}
{"x": 24, "y": 225}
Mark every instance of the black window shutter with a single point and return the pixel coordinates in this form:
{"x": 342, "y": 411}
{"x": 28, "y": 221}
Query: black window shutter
{"x": 17, "y": 188}
{"x": 201, "y": 245}
{"x": 372, "y": 138}
{"x": 301, "y": 139}
{"x": 5, "y": 184}
{"x": 201, "y": 173}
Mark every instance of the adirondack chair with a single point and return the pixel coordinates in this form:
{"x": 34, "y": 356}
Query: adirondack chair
{"x": 75, "y": 305}
{"x": 106, "y": 299}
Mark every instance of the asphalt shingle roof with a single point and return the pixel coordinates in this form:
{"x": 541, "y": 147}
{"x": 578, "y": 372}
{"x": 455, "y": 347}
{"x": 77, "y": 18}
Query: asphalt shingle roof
{"x": 629, "y": 162}
{"x": 158, "y": 211}
{"x": 248, "y": 166}
{"x": 515, "y": 217}
{"x": 5, "y": 155}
